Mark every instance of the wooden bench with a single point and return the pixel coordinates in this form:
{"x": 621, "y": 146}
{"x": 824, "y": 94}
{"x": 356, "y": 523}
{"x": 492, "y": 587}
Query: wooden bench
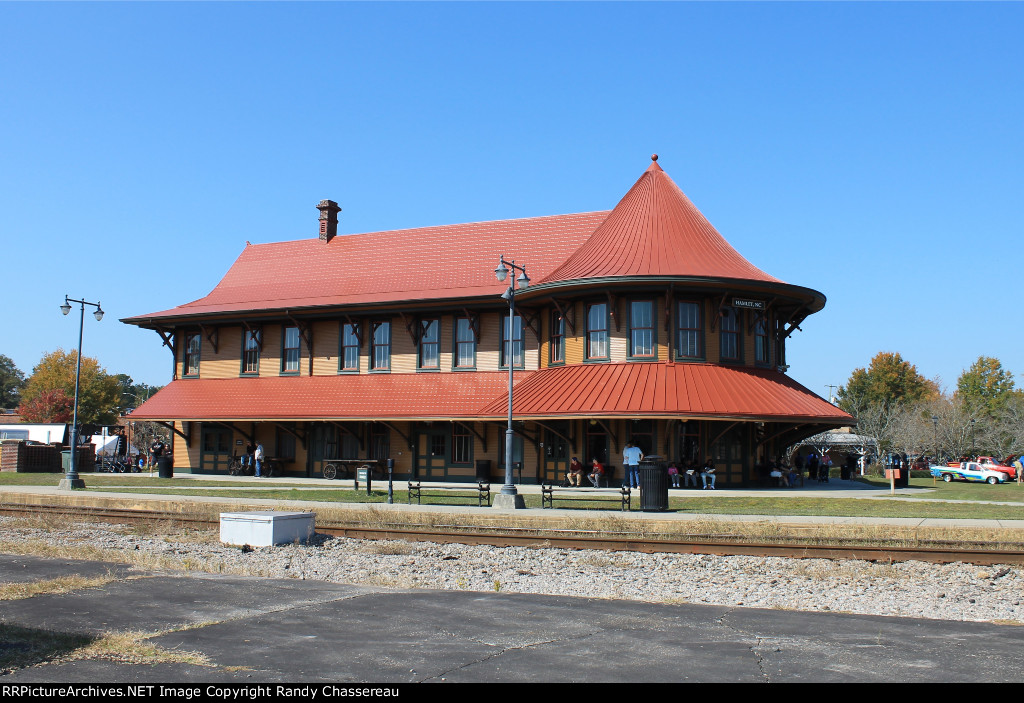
{"x": 547, "y": 495}
{"x": 483, "y": 490}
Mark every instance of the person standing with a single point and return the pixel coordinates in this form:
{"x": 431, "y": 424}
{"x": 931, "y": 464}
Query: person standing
{"x": 631, "y": 458}
{"x": 259, "y": 459}
{"x": 156, "y": 450}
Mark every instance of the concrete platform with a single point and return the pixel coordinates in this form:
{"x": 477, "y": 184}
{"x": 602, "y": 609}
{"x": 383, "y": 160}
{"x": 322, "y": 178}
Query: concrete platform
{"x": 281, "y": 630}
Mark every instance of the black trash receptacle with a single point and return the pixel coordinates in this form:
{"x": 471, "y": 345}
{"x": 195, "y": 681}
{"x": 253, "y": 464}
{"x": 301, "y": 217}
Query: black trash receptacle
{"x": 165, "y": 466}
{"x": 483, "y": 470}
{"x": 653, "y": 487}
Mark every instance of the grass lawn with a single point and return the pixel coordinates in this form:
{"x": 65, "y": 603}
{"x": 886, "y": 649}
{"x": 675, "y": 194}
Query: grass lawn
{"x": 699, "y": 503}
{"x": 956, "y": 490}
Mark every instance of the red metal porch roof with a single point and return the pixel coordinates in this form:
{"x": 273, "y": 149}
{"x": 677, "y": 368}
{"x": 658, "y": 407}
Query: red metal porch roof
{"x": 414, "y": 396}
{"x": 662, "y": 389}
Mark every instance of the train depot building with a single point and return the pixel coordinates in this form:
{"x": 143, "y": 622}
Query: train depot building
{"x": 639, "y": 324}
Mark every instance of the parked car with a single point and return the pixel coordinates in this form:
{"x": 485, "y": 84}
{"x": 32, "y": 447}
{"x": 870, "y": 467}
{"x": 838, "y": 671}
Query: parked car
{"x": 969, "y": 471}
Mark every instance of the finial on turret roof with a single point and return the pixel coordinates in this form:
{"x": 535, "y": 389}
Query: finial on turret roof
{"x": 654, "y": 157}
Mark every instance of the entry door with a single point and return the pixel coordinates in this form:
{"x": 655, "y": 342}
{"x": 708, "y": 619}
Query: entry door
{"x": 215, "y": 454}
{"x": 432, "y": 453}
{"x": 728, "y": 453}
{"x": 556, "y": 454}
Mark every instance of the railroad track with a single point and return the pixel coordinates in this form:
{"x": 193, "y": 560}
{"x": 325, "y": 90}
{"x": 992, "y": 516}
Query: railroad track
{"x": 716, "y": 544}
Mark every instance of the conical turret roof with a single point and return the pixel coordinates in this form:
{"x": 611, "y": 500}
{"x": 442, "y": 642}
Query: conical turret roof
{"x": 655, "y": 231}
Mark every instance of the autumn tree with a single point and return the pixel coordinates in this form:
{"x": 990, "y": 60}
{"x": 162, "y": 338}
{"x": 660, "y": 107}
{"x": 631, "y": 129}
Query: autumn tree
{"x": 12, "y": 380}
{"x": 50, "y": 406}
{"x": 98, "y": 392}
{"x": 888, "y": 381}
{"x": 986, "y": 386}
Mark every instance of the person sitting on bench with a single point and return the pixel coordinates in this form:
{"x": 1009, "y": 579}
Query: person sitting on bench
{"x": 575, "y": 474}
{"x": 596, "y": 472}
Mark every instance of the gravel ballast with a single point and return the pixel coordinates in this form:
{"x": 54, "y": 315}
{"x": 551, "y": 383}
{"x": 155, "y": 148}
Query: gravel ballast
{"x": 911, "y": 589}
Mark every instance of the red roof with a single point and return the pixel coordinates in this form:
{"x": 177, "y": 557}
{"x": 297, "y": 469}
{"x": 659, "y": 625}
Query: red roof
{"x": 427, "y": 263}
{"x": 632, "y": 389}
{"x": 344, "y": 397}
{"x": 656, "y": 231}
{"x": 662, "y": 389}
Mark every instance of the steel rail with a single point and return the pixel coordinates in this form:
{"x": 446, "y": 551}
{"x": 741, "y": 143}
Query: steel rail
{"x": 721, "y": 545}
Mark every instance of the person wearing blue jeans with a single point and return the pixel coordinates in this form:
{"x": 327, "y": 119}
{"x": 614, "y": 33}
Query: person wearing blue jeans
{"x": 259, "y": 460}
{"x": 708, "y": 472}
{"x": 631, "y": 458}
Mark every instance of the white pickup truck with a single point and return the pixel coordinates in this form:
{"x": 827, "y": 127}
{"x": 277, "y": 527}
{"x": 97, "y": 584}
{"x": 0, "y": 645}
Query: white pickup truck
{"x": 969, "y": 471}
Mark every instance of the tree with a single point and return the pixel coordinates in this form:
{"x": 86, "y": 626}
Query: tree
{"x": 133, "y": 394}
{"x": 12, "y": 380}
{"x": 49, "y": 406}
{"x": 986, "y": 386}
{"x": 888, "y": 381}
{"x": 98, "y": 392}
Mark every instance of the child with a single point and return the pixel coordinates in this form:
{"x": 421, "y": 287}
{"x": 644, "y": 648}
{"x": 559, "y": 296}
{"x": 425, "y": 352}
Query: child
{"x": 673, "y": 473}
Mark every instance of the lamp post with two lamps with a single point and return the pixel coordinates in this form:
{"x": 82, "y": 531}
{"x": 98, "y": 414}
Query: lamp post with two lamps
{"x": 71, "y": 478}
{"x": 509, "y": 497}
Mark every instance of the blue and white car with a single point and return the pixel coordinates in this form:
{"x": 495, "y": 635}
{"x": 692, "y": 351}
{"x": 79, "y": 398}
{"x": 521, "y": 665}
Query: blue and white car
{"x": 968, "y": 471}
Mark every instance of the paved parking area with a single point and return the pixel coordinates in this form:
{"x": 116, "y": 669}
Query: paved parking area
{"x": 256, "y": 630}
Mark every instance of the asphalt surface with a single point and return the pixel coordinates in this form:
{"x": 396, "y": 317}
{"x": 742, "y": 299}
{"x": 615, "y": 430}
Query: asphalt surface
{"x": 255, "y": 630}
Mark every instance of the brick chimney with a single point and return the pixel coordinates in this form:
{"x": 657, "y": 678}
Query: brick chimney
{"x": 328, "y": 219}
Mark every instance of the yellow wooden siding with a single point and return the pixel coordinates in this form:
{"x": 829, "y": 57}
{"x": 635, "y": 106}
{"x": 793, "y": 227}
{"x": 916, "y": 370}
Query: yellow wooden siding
{"x": 270, "y": 355}
{"x": 226, "y": 362}
{"x": 325, "y": 348}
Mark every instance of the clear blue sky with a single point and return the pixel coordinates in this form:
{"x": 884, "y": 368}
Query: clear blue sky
{"x": 872, "y": 151}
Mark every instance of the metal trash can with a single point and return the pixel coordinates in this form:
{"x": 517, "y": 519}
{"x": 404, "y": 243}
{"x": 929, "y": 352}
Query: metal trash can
{"x": 165, "y": 466}
{"x": 653, "y": 487}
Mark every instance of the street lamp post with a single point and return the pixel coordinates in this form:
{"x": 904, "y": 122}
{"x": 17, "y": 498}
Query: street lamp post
{"x": 71, "y": 478}
{"x": 509, "y": 497}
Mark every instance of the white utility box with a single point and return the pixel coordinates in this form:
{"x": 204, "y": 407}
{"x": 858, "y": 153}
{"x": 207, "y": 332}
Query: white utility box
{"x": 264, "y": 528}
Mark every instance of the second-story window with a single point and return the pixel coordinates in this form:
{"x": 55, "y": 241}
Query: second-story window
{"x": 729, "y": 339}
{"x": 641, "y": 329}
{"x": 557, "y": 338}
{"x": 689, "y": 344}
{"x": 465, "y": 344}
{"x": 761, "y": 349}
{"x": 597, "y": 331}
{"x": 348, "y": 357}
{"x": 251, "y": 343}
{"x": 193, "y": 346}
{"x": 380, "y": 348}
{"x": 290, "y": 352}
{"x": 515, "y": 339}
{"x": 429, "y": 344}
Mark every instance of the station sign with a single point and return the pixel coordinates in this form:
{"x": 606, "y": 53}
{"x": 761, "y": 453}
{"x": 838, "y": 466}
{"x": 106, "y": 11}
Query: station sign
{"x": 749, "y": 304}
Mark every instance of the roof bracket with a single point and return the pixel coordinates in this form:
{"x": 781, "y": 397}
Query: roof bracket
{"x": 357, "y": 329}
{"x": 532, "y": 319}
{"x": 613, "y": 304}
{"x": 186, "y": 435}
{"x": 474, "y": 323}
{"x": 212, "y": 336}
{"x": 341, "y": 426}
{"x": 718, "y": 311}
{"x": 567, "y": 314}
{"x": 295, "y": 433}
{"x": 257, "y": 332}
{"x": 407, "y": 438}
{"x": 415, "y": 330}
